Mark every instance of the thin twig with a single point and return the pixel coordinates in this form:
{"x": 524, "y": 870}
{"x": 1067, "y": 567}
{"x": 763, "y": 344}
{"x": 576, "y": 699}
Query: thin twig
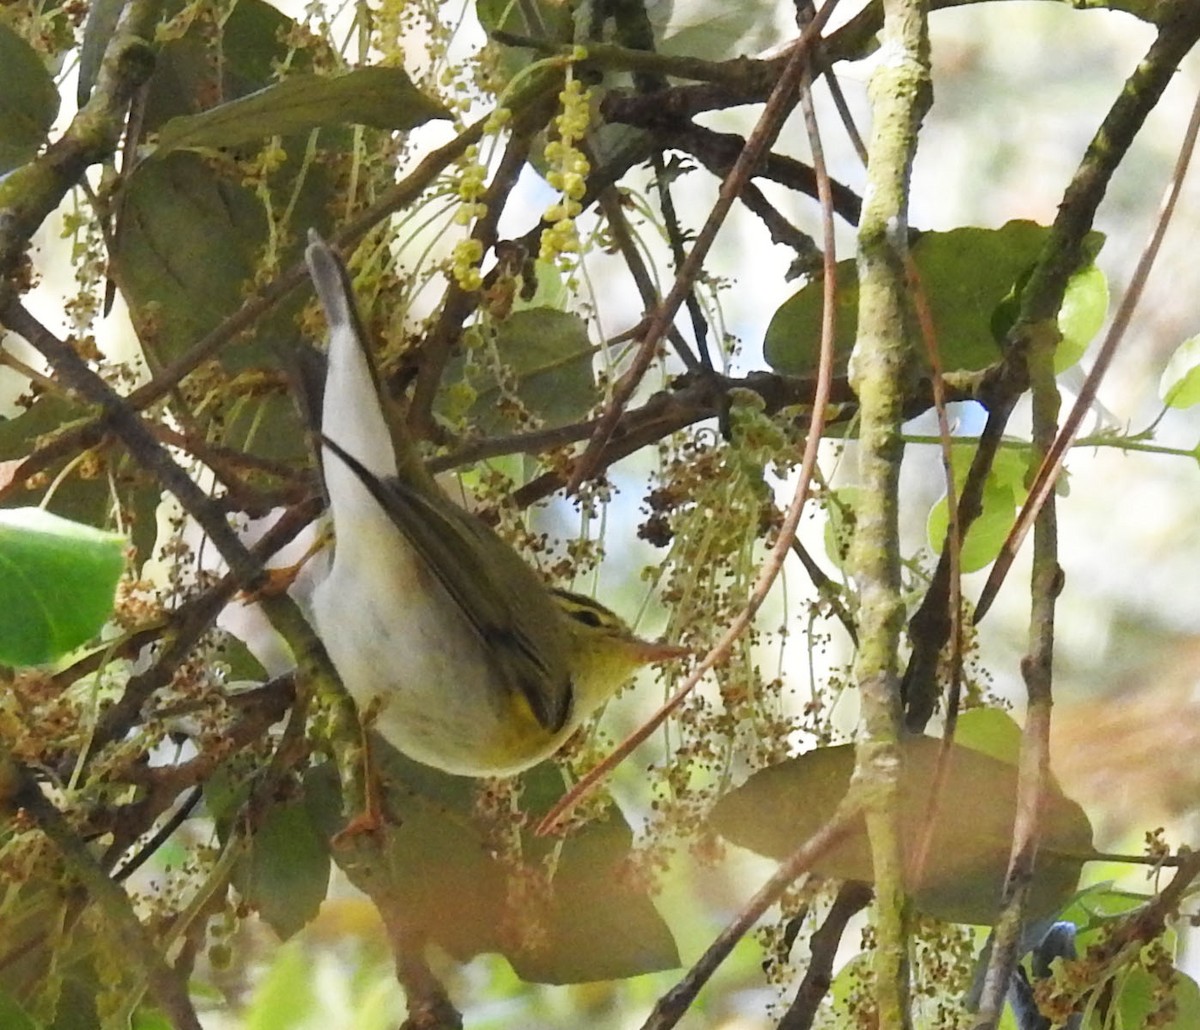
{"x": 773, "y": 564}
{"x": 1051, "y": 467}
{"x": 459, "y": 303}
{"x": 618, "y": 227}
{"x": 765, "y": 132}
{"x": 666, "y": 204}
{"x": 852, "y": 897}
{"x": 953, "y": 548}
{"x": 139, "y": 950}
{"x": 674, "y": 1004}
{"x": 1040, "y": 302}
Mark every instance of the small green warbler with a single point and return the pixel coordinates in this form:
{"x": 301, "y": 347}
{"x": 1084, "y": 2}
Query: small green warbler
{"x": 464, "y": 659}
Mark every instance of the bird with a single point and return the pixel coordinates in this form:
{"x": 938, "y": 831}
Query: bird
{"x": 453, "y": 648}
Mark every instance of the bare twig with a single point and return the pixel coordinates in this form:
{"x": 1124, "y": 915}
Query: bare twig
{"x": 1051, "y": 467}
{"x": 953, "y": 548}
{"x": 1047, "y": 577}
{"x": 1040, "y": 302}
{"x": 672, "y": 1006}
{"x": 780, "y": 102}
{"x": 139, "y": 950}
{"x": 618, "y": 226}
{"x": 787, "y": 531}
{"x": 852, "y": 897}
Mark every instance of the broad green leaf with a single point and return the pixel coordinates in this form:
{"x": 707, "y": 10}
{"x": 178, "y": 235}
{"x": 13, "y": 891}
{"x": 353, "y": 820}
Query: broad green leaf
{"x": 780, "y": 807}
{"x": 187, "y": 245}
{"x": 90, "y": 500}
{"x": 991, "y": 732}
{"x": 383, "y": 98}
{"x": 50, "y": 413}
{"x": 1100, "y": 904}
{"x": 57, "y": 582}
{"x": 714, "y": 29}
{"x": 1084, "y": 308}
{"x": 225, "y": 792}
{"x": 28, "y": 101}
{"x": 192, "y": 235}
{"x": 1179, "y": 386}
{"x": 1140, "y": 996}
{"x": 970, "y": 277}
{"x": 221, "y": 56}
{"x": 284, "y": 873}
{"x": 544, "y": 356}
{"x": 150, "y": 1019}
{"x": 597, "y": 926}
{"x": 443, "y": 872}
{"x": 1004, "y": 491}
{"x": 240, "y": 660}
{"x": 793, "y": 342}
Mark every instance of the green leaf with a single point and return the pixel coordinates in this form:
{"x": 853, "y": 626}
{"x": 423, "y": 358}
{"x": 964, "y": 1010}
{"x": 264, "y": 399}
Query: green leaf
{"x": 545, "y": 357}
{"x": 970, "y": 277}
{"x": 222, "y": 55}
{"x": 284, "y": 875}
{"x": 535, "y": 19}
{"x": 240, "y": 661}
{"x": 150, "y": 1019}
{"x": 595, "y": 926}
{"x": 1003, "y": 493}
{"x": 57, "y": 581}
{"x": 90, "y": 500}
{"x": 991, "y": 732}
{"x": 383, "y": 98}
{"x": 443, "y": 872}
{"x": 1179, "y": 386}
{"x": 793, "y": 342}
{"x": 28, "y": 101}
{"x": 1141, "y": 996}
{"x": 187, "y": 246}
{"x": 1084, "y": 308}
{"x": 193, "y": 236}
{"x": 780, "y": 807}
{"x": 715, "y": 30}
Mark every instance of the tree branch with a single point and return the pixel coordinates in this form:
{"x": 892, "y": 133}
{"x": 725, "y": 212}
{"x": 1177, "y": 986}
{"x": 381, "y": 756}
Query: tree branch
{"x": 881, "y": 365}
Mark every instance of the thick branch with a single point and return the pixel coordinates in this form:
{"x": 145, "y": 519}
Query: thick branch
{"x": 880, "y": 368}
{"x": 30, "y": 193}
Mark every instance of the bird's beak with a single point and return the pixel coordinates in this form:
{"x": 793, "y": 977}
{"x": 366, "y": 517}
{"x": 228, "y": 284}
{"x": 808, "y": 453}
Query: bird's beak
{"x": 651, "y": 651}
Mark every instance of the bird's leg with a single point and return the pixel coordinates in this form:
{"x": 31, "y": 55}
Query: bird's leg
{"x": 370, "y": 819}
{"x": 279, "y": 580}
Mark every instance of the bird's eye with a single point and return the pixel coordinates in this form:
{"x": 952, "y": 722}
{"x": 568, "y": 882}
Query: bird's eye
{"x": 587, "y": 616}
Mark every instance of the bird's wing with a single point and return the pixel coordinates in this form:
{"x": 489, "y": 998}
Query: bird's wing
{"x": 497, "y": 592}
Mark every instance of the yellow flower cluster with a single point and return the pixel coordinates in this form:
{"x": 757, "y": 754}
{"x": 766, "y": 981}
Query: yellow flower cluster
{"x": 464, "y": 264}
{"x": 472, "y": 185}
{"x": 567, "y": 172}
